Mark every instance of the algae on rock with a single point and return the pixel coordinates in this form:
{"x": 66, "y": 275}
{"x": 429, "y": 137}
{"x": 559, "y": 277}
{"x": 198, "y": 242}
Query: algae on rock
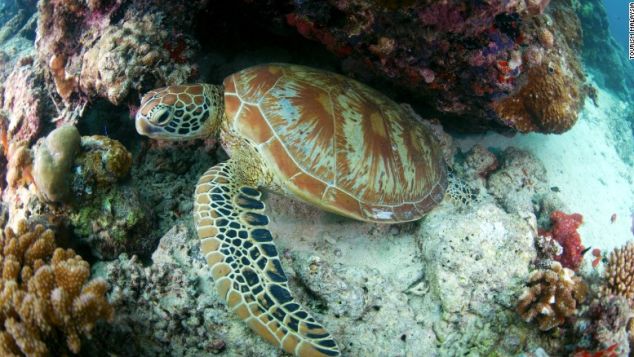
{"x": 107, "y": 215}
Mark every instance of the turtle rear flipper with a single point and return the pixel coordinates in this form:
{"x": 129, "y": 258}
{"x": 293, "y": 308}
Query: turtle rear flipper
{"x": 238, "y": 246}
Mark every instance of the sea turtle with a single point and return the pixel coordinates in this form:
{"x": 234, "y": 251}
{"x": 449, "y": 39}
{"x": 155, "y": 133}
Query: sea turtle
{"x": 314, "y": 135}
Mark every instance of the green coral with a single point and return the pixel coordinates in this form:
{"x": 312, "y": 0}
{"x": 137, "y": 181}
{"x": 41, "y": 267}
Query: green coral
{"x": 105, "y": 220}
{"x": 102, "y": 162}
{"x": 106, "y": 212}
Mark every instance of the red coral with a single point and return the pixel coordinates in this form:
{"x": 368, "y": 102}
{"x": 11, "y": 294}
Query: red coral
{"x": 608, "y": 352}
{"x": 309, "y": 30}
{"x": 564, "y": 231}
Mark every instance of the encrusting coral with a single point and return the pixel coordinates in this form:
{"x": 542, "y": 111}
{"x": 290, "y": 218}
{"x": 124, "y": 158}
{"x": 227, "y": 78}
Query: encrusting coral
{"x": 552, "y": 296}
{"x": 46, "y": 301}
{"x": 548, "y": 103}
{"x": 619, "y": 273}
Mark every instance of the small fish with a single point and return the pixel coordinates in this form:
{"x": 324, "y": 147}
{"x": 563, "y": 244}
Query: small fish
{"x": 613, "y": 218}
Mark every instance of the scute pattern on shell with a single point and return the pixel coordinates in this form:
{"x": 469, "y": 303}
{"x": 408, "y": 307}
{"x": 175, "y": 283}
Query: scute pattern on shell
{"x": 337, "y": 143}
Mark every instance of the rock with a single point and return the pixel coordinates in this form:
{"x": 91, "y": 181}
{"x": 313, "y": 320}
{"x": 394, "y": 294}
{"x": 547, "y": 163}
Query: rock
{"x": 519, "y": 185}
{"x": 466, "y": 254}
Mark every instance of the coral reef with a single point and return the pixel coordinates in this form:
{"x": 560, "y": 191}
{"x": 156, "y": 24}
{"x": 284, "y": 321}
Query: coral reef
{"x": 107, "y": 215}
{"x": 480, "y": 162}
{"x": 23, "y": 102}
{"x": 519, "y": 185}
{"x": 124, "y": 53}
{"x": 47, "y": 303}
{"x": 564, "y": 231}
{"x": 548, "y": 103}
{"x": 102, "y": 161}
{"x": 112, "y": 221}
{"x": 605, "y": 327}
{"x": 19, "y": 165}
{"x": 482, "y": 63}
{"x": 54, "y": 157}
{"x": 108, "y": 48}
{"x": 460, "y": 250}
{"x": 619, "y": 273}
{"x": 165, "y": 178}
{"x": 170, "y": 307}
{"x": 552, "y": 296}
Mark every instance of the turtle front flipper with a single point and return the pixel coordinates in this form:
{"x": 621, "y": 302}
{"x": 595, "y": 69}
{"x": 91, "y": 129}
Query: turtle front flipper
{"x": 239, "y": 248}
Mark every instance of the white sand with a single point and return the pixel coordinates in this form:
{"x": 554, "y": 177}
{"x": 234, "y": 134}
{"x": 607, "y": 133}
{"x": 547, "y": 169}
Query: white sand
{"x": 584, "y": 164}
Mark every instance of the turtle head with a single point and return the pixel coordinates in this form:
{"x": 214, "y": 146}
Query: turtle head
{"x": 181, "y": 112}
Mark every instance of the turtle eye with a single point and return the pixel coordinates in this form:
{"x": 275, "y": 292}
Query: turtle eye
{"x": 162, "y": 117}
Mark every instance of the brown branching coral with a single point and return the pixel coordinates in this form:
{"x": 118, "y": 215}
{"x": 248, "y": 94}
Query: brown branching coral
{"x": 46, "y": 302}
{"x": 619, "y": 273}
{"x": 552, "y": 296}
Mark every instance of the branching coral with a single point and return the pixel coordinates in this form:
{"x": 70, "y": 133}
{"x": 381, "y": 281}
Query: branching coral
{"x": 45, "y": 298}
{"x": 619, "y": 273}
{"x": 552, "y": 296}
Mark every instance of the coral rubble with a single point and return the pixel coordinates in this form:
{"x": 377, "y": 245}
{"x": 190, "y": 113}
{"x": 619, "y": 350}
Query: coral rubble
{"x": 47, "y": 303}
{"x": 551, "y": 297}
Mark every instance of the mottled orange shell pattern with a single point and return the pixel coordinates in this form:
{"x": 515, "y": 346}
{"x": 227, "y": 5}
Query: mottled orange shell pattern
{"x": 337, "y": 143}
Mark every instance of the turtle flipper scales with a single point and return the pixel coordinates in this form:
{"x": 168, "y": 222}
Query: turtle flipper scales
{"x": 238, "y": 246}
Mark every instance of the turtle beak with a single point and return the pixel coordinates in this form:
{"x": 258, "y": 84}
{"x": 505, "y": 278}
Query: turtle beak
{"x": 143, "y": 127}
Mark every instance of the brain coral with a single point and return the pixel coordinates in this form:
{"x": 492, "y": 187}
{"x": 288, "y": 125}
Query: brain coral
{"x": 46, "y": 302}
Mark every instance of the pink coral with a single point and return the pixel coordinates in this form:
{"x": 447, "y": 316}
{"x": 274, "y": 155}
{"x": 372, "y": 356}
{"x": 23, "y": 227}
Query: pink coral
{"x": 564, "y": 231}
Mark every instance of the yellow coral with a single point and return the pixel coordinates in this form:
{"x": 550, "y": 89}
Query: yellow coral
{"x": 45, "y": 295}
{"x": 619, "y": 273}
{"x": 103, "y": 160}
{"x": 552, "y": 296}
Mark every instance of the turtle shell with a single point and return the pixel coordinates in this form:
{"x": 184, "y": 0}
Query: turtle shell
{"x": 337, "y": 143}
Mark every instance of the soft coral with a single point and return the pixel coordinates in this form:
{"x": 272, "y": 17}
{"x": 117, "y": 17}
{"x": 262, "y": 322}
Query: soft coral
{"x": 564, "y": 231}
